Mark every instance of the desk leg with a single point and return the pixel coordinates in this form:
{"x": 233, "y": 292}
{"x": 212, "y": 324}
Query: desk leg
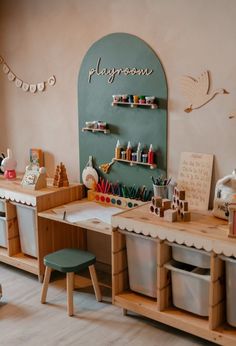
{"x": 40, "y": 278}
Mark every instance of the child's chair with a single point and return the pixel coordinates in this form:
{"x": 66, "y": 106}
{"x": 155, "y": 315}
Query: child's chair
{"x": 70, "y": 261}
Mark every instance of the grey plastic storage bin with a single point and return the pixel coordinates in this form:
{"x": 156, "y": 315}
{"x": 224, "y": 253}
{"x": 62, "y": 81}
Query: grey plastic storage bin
{"x": 142, "y": 264}
{"x": 3, "y": 236}
{"x": 190, "y": 287}
{"x": 27, "y": 229}
{"x": 230, "y": 265}
{"x": 189, "y": 255}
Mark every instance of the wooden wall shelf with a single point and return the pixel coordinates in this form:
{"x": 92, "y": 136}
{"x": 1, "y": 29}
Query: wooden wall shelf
{"x": 84, "y": 129}
{"x": 134, "y": 163}
{"x": 135, "y": 105}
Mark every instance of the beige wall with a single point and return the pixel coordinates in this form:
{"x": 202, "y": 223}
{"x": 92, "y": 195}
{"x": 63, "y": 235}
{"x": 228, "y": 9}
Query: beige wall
{"x": 39, "y": 38}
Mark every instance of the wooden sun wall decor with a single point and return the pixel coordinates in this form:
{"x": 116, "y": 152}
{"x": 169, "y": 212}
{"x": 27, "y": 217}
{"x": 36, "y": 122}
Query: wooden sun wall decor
{"x": 25, "y": 86}
{"x": 197, "y": 91}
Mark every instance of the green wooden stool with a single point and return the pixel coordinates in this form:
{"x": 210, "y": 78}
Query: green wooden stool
{"x": 70, "y": 261}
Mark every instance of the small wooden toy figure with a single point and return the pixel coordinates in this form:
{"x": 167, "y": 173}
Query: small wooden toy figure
{"x": 9, "y": 165}
{"x": 60, "y": 177}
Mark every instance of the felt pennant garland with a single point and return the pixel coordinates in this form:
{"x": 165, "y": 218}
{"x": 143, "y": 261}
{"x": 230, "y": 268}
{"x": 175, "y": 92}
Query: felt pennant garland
{"x": 31, "y": 87}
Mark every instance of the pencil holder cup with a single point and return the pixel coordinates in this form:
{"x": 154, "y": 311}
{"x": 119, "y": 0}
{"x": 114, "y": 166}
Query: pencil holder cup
{"x": 160, "y": 191}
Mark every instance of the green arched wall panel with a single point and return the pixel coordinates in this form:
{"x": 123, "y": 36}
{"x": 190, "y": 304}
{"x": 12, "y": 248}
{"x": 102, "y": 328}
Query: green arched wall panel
{"x": 147, "y": 126}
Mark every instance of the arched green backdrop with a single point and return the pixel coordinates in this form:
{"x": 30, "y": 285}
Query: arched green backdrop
{"x": 148, "y": 126}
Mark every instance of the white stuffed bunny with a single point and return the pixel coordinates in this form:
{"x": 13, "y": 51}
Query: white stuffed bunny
{"x": 9, "y": 165}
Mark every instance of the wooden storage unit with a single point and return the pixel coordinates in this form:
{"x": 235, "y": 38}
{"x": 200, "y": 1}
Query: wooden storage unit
{"x": 50, "y": 236}
{"x": 203, "y": 232}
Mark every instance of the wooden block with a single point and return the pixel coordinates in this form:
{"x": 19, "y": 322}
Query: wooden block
{"x": 176, "y": 190}
{"x": 174, "y": 199}
{"x": 160, "y": 211}
{"x": 185, "y": 216}
{"x": 170, "y": 215}
{"x": 183, "y": 205}
{"x": 152, "y": 208}
{"x": 181, "y": 195}
{"x": 156, "y": 211}
{"x": 166, "y": 203}
{"x": 157, "y": 201}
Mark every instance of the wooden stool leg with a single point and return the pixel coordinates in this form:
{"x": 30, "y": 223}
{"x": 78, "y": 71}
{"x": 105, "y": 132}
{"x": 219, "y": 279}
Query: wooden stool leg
{"x": 95, "y": 283}
{"x": 125, "y": 311}
{"x": 70, "y": 288}
{"x": 45, "y": 284}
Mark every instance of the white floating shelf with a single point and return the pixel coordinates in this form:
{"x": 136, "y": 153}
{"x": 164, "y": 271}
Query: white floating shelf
{"x": 134, "y": 163}
{"x": 135, "y": 105}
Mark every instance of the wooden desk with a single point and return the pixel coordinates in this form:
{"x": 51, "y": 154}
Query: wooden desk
{"x": 203, "y": 232}
{"x": 92, "y": 224}
{"x": 80, "y": 229}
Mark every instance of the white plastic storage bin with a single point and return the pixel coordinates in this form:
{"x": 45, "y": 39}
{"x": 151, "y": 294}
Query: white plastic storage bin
{"x": 190, "y": 287}
{"x": 2, "y": 208}
{"x": 230, "y": 264}
{"x": 142, "y": 264}
{"x": 189, "y": 255}
{"x": 3, "y": 235}
{"x": 27, "y": 229}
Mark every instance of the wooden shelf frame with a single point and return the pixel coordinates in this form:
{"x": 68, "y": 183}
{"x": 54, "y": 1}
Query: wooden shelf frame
{"x": 20, "y": 261}
{"x": 160, "y": 309}
{"x": 49, "y": 237}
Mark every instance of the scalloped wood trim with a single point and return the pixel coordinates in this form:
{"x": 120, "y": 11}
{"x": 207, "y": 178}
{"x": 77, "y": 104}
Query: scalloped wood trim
{"x": 203, "y": 232}
{"x": 18, "y": 197}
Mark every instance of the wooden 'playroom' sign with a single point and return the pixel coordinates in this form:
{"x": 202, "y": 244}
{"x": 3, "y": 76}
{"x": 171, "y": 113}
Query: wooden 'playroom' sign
{"x": 195, "y": 172}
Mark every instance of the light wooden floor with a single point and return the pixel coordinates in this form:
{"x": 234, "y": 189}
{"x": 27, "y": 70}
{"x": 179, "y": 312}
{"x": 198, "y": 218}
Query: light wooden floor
{"x": 24, "y": 321}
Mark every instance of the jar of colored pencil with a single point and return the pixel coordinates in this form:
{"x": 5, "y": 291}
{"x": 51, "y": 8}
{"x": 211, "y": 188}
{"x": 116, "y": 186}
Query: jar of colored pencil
{"x": 160, "y": 191}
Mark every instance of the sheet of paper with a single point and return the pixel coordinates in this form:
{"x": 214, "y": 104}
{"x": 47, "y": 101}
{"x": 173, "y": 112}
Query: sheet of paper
{"x": 195, "y": 171}
{"x": 86, "y": 211}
